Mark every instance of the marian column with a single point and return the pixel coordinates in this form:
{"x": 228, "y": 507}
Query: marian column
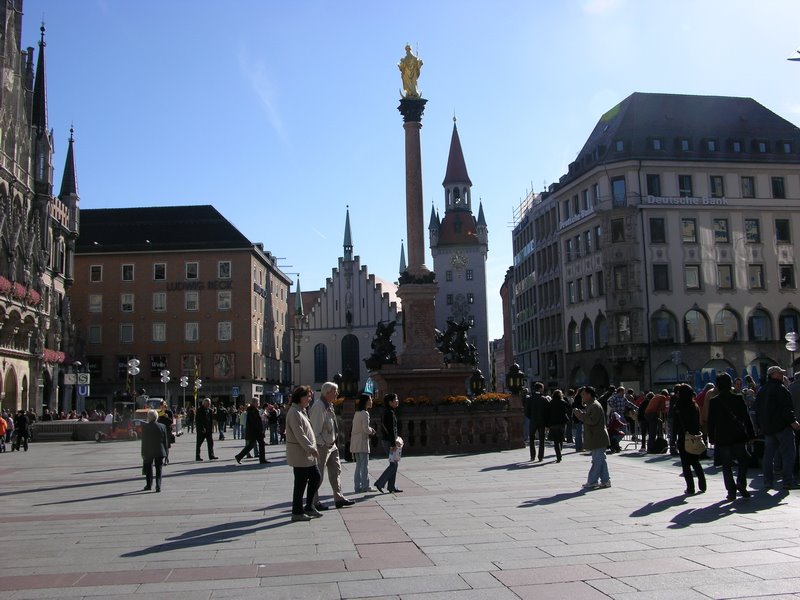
{"x": 418, "y": 287}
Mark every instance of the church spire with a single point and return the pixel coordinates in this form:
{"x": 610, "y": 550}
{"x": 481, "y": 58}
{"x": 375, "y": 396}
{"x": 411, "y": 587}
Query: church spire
{"x": 457, "y": 184}
{"x": 298, "y": 300}
{"x": 348, "y": 240}
{"x": 69, "y": 181}
{"x": 39, "y": 116}
{"x": 42, "y": 139}
{"x": 403, "y": 266}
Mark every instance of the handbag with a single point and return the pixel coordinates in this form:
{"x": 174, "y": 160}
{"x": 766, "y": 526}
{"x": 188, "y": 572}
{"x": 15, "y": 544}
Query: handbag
{"x": 694, "y": 443}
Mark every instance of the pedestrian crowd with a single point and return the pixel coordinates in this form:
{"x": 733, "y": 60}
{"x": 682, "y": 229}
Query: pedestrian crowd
{"x": 747, "y": 426}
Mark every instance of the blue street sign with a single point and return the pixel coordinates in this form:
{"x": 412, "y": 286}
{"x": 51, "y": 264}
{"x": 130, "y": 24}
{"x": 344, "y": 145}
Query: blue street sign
{"x": 235, "y": 391}
{"x": 83, "y": 390}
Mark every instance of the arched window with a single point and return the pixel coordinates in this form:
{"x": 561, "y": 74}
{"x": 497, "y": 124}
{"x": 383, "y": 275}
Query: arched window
{"x": 759, "y": 326}
{"x": 726, "y": 326}
{"x": 573, "y": 340}
{"x": 663, "y": 327}
{"x": 350, "y": 357}
{"x": 789, "y": 320}
{"x": 695, "y": 327}
{"x": 320, "y": 363}
{"x": 587, "y": 335}
{"x": 601, "y": 326}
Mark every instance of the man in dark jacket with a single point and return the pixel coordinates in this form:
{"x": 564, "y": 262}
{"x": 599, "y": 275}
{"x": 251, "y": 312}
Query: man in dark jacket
{"x": 536, "y": 411}
{"x": 729, "y": 429}
{"x": 204, "y": 423}
{"x": 21, "y": 432}
{"x": 155, "y": 448}
{"x": 775, "y": 420}
{"x": 253, "y": 433}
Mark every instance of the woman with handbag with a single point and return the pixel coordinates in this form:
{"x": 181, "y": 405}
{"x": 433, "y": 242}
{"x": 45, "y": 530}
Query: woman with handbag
{"x": 687, "y": 425}
{"x": 730, "y": 429}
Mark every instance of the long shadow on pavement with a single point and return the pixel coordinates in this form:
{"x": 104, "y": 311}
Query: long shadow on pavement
{"x": 656, "y": 507}
{"x": 222, "y": 533}
{"x": 724, "y": 508}
{"x": 554, "y": 499}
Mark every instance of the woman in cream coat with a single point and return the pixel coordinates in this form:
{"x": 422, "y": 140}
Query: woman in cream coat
{"x": 359, "y": 443}
{"x": 301, "y": 454}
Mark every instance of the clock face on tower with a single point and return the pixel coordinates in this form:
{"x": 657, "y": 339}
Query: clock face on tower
{"x": 458, "y": 259}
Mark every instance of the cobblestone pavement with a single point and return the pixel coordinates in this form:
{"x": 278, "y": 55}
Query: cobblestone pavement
{"x": 76, "y": 523}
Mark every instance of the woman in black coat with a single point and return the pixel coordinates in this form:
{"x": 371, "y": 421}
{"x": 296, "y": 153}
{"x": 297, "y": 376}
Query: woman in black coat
{"x": 687, "y": 420}
{"x": 729, "y": 429}
{"x": 155, "y": 448}
{"x": 558, "y": 415}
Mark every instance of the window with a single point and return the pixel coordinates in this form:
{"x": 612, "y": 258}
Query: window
{"x": 127, "y": 272}
{"x": 224, "y": 331}
{"x": 565, "y": 209}
{"x": 752, "y": 231}
{"x": 685, "y": 144}
{"x": 660, "y": 278}
{"x": 755, "y": 277}
{"x": 685, "y": 189}
{"x": 160, "y": 271}
{"x": 689, "y": 231}
{"x": 126, "y": 333}
{"x": 725, "y": 277}
{"x": 469, "y": 274}
{"x": 587, "y": 241}
{"x": 95, "y": 334}
{"x": 159, "y": 301}
{"x": 618, "y": 192}
{"x": 782, "y": 231}
{"x": 577, "y": 246}
{"x": 623, "y": 322}
{"x": 748, "y": 187}
{"x": 717, "y": 186}
{"x": 192, "y": 300}
{"x": 568, "y": 250}
{"x": 736, "y": 146}
{"x": 620, "y": 278}
{"x": 787, "y": 276}
{"x": 224, "y": 300}
{"x": 470, "y": 298}
{"x": 787, "y": 147}
{"x": 95, "y": 303}
{"x": 585, "y": 199}
{"x": 691, "y": 275}
{"x": 617, "y": 230}
{"x": 695, "y": 327}
{"x": 448, "y": 276}
{"x": 192, "y": 270}
{"x": 596, "y": 194}
{"x": 598, "y": 235}
{"x": 126, "y": 302}
{"x": 711, "y": 145}
{"x": 571, "y": 292}
{"x": 191, "y": 332}
{"x": 224, "y": 269}
{"x": 159, "y": 332}
{"x": 656, "y": 143}
{"x": 658, "y": 231}
{"x": 762, "y": 147}
{"x": 576, "y": 209}
{"x": 759, "y": 326}
{"x": 579, "y": 289}
{"x": 721, "y": 233}
{"x": 654, "y": 185}
{"x": 96, "y": 273}
{"x": 601, "y": 284}
{"x": 449, "y": 299}
{"x": 320, "y": 362}
{"x": 778, "y": 189}
{"x": 591, "y": 292}
{"x": 619, "y": 145}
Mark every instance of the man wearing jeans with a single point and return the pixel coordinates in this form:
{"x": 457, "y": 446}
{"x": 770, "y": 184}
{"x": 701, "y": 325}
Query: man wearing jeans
{"x": 776, "y": 421}
{"x": 595, "y": 438}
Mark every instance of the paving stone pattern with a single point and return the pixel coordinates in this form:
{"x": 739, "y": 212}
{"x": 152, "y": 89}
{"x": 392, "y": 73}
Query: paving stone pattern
{"x": 76, "y": 524}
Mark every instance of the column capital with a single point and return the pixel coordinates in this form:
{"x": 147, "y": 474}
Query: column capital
{"x": 412, "y": 109}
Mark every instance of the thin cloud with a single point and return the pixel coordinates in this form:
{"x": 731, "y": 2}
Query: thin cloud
{"x": 319, "y": 233}
{"x": 255, "y": 73}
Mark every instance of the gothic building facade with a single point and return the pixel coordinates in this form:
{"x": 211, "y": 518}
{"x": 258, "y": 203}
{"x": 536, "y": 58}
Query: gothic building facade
{"x": 37, "y": 230}
{"x": 334, "y": 327}
{"x": 459, "y": 245}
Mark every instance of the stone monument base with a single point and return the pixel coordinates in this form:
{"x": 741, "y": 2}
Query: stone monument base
{"x": 451, "y": 380}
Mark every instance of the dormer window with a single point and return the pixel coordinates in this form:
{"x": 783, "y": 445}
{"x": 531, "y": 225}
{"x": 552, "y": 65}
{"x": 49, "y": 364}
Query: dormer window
{"x": 736, "y": 146}
{"x": 711, "y": 145}
{"x": 787, "y": 147}
{"x": 656, "y": 143}
{"x": 685, "y": 144}
{"x": 619, "y": 145}
{"x": 761, "y": 147}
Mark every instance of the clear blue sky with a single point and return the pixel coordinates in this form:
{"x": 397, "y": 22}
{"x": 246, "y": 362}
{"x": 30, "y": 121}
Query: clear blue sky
{"x": 282, "y": 113}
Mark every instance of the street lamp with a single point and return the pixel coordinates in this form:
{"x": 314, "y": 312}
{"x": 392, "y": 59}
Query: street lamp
{"x": 198, "y": 383}
{"x": 477, "y": 383}
{"x": 133, "y": 371}
{"x": 515, "y": 380}
{"x": 165, "y": 379}
{"x": 184, "y": 384}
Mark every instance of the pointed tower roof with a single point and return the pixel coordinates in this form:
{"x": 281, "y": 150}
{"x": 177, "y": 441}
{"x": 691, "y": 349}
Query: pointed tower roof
{"x": 69, "y": 181}
{"x": 39, "y": 117}
{"x": 298, "y": 300}
{"x": 403, "y": 266}
{"x": 348, "y": 239}
{"x": 456, "y": 167}
{"x": 434, "y": 222}
{"x": 481, "y": 218}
